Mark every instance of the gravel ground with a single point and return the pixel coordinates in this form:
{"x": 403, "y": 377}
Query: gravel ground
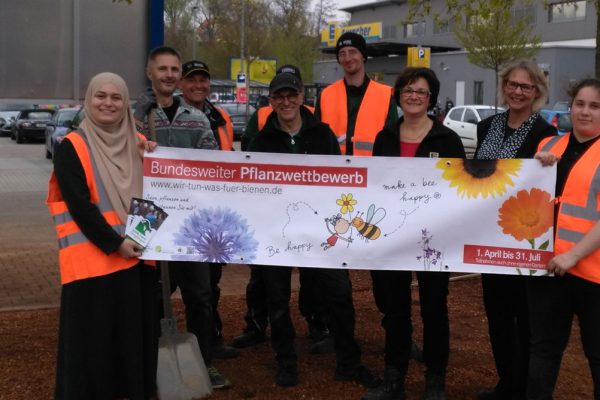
{"x": 28, "y": 348}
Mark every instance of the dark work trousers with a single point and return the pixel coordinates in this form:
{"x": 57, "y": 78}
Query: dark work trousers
{"x": 505, "y": 301}
{"x": 216, "y": 271}
{"x": 392, "y": 292}
{"x": 277, "y": 281}
{"x": 553, "y": 301}
{"x": 336, "y": 289}
{"x": 311, "y": 303}
{"x": 193, "y": 280}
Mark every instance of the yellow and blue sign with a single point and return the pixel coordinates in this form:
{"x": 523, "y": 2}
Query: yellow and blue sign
{"x": 262, "y": 70}
{"x": 371, "y": 32}
{"x": 418, "y": 57}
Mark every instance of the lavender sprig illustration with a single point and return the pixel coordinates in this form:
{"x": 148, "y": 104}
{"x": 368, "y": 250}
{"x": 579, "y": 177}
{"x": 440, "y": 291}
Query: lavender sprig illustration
{"x": 430, "y": 256}
{"x": 218, "y": 235}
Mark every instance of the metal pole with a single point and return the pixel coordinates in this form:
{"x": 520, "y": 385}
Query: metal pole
{"x": 242, "y": 36}
{"x": 194, "y": 11}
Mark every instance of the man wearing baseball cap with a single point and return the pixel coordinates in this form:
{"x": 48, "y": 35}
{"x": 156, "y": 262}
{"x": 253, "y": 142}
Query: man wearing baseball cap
{"x": 258, "y": 119}
{"x": 291, "y": 128}
{"x": 355, "y": 107}
{"x": 195, "y": 88}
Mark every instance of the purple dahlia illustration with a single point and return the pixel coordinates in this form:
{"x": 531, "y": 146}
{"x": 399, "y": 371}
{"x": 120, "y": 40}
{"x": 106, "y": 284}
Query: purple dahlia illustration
{"x": 218, "y": 235}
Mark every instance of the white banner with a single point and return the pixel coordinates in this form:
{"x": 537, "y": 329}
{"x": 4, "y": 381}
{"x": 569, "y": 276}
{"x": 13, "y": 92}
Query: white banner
{"x": 352, "y": 212}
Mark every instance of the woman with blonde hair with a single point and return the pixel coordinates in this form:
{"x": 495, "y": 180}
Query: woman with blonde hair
{"x": 107, "y": 339}
{"x": 514, "y": 133}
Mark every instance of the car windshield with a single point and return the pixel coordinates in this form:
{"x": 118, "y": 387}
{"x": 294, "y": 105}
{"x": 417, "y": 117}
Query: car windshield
{"x": 66, "y": 116}
{"x": 39, "y": 115}
{"x": 488, "y": 112}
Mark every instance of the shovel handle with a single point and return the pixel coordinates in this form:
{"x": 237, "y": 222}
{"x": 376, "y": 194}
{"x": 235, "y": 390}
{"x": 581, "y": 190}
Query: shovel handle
{"x": 166, "y": 289}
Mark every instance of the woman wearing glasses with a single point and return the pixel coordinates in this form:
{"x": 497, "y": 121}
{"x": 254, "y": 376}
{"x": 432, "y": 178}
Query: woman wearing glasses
{"x": 416, "y": 134}
{"x": 515, "y": 133}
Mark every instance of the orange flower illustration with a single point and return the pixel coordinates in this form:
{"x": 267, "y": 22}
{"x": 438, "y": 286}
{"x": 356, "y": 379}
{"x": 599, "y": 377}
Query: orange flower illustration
{"x": 527, "y": 215}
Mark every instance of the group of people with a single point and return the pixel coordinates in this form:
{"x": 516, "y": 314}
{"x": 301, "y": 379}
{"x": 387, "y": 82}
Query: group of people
{"x": 109, "y": 303}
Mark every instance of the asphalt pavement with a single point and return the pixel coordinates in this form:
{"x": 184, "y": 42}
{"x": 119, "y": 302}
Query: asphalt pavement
{"x": 28, "y": 247}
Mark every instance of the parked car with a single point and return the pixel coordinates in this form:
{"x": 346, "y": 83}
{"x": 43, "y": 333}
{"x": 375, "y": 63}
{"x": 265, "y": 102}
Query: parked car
{"x": 237, "y": 112}
{"x": 31, "y": 124}
{"x": 463, "y": 120}
{"x": 561, "y": 120}
{"x": 7, "y": 119}
{"x": 58, "y": 128}
{"x": 562, "y": 106}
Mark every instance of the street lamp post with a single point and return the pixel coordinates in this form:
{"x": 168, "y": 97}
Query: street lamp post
{"x": 194, "y": 32}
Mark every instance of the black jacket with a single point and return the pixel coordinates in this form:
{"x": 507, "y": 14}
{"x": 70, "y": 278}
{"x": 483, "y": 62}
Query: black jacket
{"x": 314, "y": 137}
{"x": 540, "y": 130}
{"x": 440, "y": 141}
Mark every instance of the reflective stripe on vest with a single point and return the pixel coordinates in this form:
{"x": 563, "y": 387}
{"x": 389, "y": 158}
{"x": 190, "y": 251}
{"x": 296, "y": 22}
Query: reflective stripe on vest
{"x": 225, "y": 131}
{"x": 264, "y": 112}
{"x": 578, "y": 211}
{"x": 371, "y": 117}
{"x": 78, "y": 257}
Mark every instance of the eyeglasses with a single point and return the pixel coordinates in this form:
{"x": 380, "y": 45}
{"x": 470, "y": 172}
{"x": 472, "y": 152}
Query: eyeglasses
{"x": 525, "y": 87}
{"x": 421, "y": 93}
{"x": 280, "y": 98}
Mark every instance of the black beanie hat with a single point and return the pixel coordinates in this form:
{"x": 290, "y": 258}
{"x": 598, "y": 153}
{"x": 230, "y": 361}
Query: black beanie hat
{"x": 351, "y": 39}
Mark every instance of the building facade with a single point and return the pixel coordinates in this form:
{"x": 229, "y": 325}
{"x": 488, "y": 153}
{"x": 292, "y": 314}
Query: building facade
{"x": 567, "y": 30}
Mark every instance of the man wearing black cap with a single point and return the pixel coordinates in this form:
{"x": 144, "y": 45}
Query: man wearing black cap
{"x": 355, "y": 107}
{"x": 258, "y": 119}
{"x": 310, "y": 304}
{"x": 291, "y": 128}
{"x": 195, "y": 88}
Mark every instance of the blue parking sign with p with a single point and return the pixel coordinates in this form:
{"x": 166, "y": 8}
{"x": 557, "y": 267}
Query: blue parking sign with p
{"x": 421, "y": 53}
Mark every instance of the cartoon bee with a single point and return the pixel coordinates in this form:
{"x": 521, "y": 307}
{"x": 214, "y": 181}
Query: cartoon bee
{"x": 368, "y": 228}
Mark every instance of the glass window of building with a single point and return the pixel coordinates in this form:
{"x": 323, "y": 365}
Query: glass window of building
{"x": 414, "y": 29}
{"x": 442, "y": 27}
{"x": 567, "y": 11}
{"x": 526, "y": 13}
{"x": 478, "y": 92}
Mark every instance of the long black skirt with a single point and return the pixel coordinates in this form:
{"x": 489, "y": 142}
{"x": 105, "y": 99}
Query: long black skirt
{"x": 108, "y": 341}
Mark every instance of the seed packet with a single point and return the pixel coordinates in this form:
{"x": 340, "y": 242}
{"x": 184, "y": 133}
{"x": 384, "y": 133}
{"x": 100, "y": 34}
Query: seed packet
{"x": 143, "y": 220}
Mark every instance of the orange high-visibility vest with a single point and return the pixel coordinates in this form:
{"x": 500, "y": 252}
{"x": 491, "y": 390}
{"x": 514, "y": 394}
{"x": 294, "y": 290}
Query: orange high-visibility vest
{"x": 371, "y": 117}
{"x": 225, "y": 131}
{"x": 79, "y": 258}
{"x": 579, "y": 208}
{"x": 264, "y": 112}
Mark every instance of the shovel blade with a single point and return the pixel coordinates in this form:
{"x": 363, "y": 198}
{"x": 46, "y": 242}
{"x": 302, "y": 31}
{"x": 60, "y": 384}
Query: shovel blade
{"x": 181, "y": 374}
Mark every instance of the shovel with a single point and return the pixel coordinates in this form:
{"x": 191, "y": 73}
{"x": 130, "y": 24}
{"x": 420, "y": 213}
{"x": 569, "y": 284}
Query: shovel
{"x": 181, "y": 373}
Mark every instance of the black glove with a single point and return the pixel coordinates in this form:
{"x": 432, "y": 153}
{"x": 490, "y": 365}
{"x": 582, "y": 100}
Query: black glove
{"x": 145, "y": 103}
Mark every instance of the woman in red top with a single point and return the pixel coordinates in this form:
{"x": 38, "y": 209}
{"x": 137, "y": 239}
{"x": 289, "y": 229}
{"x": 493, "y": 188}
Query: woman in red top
{"x": 416, "y": 134}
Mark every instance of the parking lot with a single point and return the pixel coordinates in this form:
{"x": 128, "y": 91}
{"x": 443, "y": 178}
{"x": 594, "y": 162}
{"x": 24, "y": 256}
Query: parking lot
{"x": 28, "y": 256}
{"x": 28, "y": 249}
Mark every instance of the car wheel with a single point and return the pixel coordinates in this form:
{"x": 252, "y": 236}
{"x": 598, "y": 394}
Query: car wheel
{"x": 12, "y": 136}
{"x": 19, "y": 138}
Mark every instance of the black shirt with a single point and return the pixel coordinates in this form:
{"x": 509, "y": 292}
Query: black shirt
{"x": 572, "y": 153}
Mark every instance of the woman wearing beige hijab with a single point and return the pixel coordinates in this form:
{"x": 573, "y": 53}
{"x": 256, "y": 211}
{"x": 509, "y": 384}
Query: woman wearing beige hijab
{"x": 107, "y": 340}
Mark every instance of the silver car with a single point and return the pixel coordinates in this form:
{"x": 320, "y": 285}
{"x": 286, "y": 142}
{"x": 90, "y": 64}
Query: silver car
{"x": 463, "y": 120}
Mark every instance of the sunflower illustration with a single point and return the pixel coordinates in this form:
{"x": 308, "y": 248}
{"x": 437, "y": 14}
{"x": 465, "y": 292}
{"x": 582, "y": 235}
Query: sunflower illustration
{"x": 479, "y": 177}
{"x": 527, "y": 215}
{"x": 346, "y": 202}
